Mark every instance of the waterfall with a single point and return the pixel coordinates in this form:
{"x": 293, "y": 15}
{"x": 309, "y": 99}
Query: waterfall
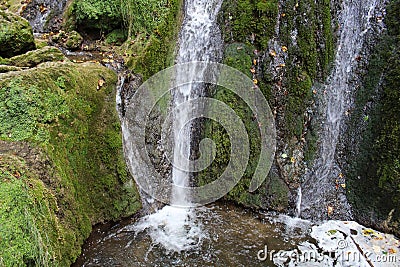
{"x": 322, "y": 197}
{"x": 298, "y": 202}
{"x": 176, "y": 227}
{"x": 44, "y": 15}
{"x": 197, "y": 43}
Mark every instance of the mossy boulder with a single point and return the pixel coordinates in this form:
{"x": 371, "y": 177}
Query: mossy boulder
{"x": 35, "y": 57}
{"x": 116, "y": 37}
{"x": 7, "y": 68}
{"x": 16, "y": 35}
{"x": 74, "y": 40}
{"x": 61, "y": 163}
{"x": 71, "y": 40}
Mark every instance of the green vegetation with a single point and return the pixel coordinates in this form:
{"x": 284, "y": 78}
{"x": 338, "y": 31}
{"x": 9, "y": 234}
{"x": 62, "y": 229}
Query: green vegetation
{"x": 153, "y": 35}
{"x": 16, "y": 35}
{"x": 57, "y": 109}
{"x": 374, "y": 173}
{"x": 98, "y": 15}
{"x": 249, "y": 21}
{"x": 29, "y": 225}
{"x": 150, "y": 29}
{"x": 116, "y": 37}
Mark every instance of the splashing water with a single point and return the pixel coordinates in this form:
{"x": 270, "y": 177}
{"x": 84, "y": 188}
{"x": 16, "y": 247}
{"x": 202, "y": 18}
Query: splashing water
{"x": 176, "y": 227}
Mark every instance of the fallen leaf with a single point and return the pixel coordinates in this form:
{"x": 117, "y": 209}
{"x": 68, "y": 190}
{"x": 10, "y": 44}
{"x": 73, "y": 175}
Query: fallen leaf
{"x": 377, "y": 236}
{"x": 392, "y": 251}
{"x": 272, "y": 53}
{"x": 255, "y": 81}
{"x": 17, "y": 174}
{"x": 42, "y": 8}
{"x": 376, "y": 249}
{"x": 100, "y": 83}
{"x": 106, "y": 60}
{"x": 367, "y": 232}
{"x": 332, "y": 232}
{"x": 284, "y": 48}
{"x": 255, "y": 61}
{"x": 330, "y": 210}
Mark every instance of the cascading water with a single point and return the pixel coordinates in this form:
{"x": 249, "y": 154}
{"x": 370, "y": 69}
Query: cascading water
{"x": 176, "y": 227}
{"x": 44, "y": 15}
{"x": 320, "y": 195}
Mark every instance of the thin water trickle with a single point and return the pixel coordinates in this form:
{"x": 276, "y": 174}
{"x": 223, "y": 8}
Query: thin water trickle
{"x": 298, "y": 202}
{"x": 319, "y": 192}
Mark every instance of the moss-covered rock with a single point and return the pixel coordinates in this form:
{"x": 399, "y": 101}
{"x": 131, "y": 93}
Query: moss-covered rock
{"x": 151, "y": 45}
{"x": 71, "y": 40}
{"x": 249, "y": 21}
{"x": 61, "y": 163}
{"x": 285, "y": 47}
{"x": 116, "y": 37}
{"x": 74, "y": 40}
{"x": 29, "y": 226}
{"x": 7, "y": 68}
{"x": 35, "y": 57}
{"x": 16, "y": 35}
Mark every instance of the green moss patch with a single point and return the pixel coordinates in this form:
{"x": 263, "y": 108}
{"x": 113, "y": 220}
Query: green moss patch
{"x": 35, "y": 57}
{"x": 60, "y": 109}
{"x": 250, "y": 21}
{"x": 16, "y": 35}
{"x": 152, "y": 40}
{"x": 30, "y": 230}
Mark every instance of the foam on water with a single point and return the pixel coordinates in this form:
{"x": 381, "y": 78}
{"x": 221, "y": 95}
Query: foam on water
{"x": 176, "y": 229}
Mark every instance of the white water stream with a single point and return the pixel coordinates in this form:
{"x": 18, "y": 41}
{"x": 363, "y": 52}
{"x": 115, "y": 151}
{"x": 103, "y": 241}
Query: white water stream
{"x": 176, "y": 227}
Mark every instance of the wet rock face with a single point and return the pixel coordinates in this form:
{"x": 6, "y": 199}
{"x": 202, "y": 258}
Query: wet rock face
{"x": 371, "y": 146}
{"x": 45, "y": 15}
{"x": 16, "y": 36}
{"x": 286, "y": 47}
